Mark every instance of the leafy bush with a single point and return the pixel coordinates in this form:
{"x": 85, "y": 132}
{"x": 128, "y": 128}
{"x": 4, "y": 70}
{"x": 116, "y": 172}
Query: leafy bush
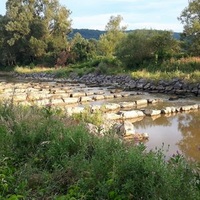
{"x": 88, "y": 116}
{"x": 53, "y": 157}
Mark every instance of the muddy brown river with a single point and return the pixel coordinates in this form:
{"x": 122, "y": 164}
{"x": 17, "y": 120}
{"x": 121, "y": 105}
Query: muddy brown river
{"x": 178, "y": 133}
{"x": 174, "y": 133}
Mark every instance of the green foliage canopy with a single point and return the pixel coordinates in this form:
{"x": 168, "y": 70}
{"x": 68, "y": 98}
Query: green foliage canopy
{"x": 190, "y": 18}
{"x": 141, "y": 46}
{"x": 114, "y": 33}
{"x": 82, "y": 49}
{"x": 32, "y": 28}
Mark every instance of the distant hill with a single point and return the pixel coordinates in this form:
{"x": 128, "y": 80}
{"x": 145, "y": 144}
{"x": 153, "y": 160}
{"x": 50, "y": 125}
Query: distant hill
{"x": 177, "y": 35}
{"x": 87, "y": 33}
{"x": 95, "y": 34}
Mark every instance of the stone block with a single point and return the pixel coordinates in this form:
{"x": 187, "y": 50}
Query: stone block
{"x": 141, "y": 102}
{"x": 152, "y": 112}
{"x": 70, "y": 100}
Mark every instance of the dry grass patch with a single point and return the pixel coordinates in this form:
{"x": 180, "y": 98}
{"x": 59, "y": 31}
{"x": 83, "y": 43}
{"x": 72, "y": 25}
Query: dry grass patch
{"x": 28, "y": 70}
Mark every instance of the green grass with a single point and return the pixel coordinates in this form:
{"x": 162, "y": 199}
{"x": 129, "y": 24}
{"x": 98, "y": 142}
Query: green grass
{"x": 28, "y": 69}
{"x": 95, "y": 117}
{"x": 158, "y": 75}
{"x": 46, "y": 155}
{"x": 187, "y": 69}
{"x": 99, "y": 65}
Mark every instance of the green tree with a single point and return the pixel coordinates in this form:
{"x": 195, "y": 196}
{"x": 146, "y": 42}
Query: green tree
{"x": 82, "y": 49}
{"x": 33, "y": 28}
{"x": 164, "y": 46}
{"x": 134, "y": 49}
{"x": 114, "y": 33}
{"x": 190, "y": 18}
{"x": 146, "y": 46}
{"x": 7, "y": 52}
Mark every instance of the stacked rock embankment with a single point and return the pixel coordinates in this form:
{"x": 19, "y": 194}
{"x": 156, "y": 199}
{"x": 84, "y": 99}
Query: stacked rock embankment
{"x": 174, "y": 86}
{"x": 125, "y": 82}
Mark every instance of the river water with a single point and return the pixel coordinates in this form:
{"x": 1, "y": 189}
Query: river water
{"x": 178, "y": 133}
{"x": 175, "y": 133}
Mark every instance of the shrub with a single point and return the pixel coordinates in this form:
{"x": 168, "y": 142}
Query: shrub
{"x": 43, "y": 157}
{"x": 88, "y": 116}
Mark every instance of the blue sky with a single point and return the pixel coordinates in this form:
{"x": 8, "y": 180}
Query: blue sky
{"x": 137, "y": 14}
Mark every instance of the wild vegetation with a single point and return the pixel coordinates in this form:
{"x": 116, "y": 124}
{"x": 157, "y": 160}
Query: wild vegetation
{"x": 43, "y": 40}
{"x": 44, "y": 154}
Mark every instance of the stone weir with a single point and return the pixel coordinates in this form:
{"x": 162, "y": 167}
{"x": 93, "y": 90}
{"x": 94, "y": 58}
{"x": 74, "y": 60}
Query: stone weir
{"x": 125, "y": 82}
{"x": 75, "y": 98}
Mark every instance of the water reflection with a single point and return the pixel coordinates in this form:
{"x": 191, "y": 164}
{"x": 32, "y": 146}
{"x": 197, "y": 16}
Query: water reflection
{"x": 189, "y": 126}
{"x": 180, "y": 132}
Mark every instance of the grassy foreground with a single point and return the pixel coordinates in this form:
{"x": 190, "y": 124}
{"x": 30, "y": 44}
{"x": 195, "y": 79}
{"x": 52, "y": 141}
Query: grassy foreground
{"x": 44, "y": 155}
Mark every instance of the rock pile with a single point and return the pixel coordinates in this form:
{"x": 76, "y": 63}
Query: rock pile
{"x": 174, "y": 86}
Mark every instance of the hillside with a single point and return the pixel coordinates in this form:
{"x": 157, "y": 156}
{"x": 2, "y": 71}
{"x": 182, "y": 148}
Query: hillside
{"x": 95, "y": 34}
{"x": 87, "y": 33}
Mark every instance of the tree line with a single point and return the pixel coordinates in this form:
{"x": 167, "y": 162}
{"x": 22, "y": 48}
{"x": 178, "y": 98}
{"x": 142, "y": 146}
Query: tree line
{"x": 37, "y": 32}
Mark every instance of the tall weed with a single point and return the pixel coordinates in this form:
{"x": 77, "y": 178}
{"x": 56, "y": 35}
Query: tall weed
{"x": 43, "y": 157}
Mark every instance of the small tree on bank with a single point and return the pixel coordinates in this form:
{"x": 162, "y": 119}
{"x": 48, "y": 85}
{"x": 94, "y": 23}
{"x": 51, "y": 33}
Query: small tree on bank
{"x": 114, "y": 33}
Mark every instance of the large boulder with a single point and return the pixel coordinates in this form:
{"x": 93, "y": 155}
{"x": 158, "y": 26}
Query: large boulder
{"x": 112, "y": 106}
{"x": 141, "y": 102}
{"x": 127, "y": 128}
{"x": 98, "y": 97}
{"x": 127, "y": 104}
{"x": 166, "y": 110}
{"x": 71, "y": 100}
{"x": 149, "y": 112}
{"x": 92, "y": 129}
{"x": 131, "y": 114}
{"x": 112, "y": 116}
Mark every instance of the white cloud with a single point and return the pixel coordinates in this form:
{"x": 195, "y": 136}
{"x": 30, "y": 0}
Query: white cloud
{"x": 91, "y": 22}
{"x": 131, "y": 21}
{"x": 156, "y": 14}
{"x": 95, "y": 14}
